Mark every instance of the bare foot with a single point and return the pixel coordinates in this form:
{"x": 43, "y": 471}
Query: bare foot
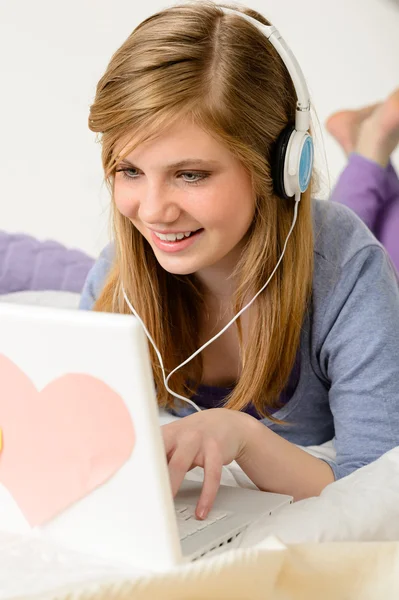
{"x": 379, "y": 133}
{"x": 344, "y": 126}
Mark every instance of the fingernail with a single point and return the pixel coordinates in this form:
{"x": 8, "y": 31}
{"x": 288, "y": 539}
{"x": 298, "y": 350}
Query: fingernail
{"x": 202, "y": 512}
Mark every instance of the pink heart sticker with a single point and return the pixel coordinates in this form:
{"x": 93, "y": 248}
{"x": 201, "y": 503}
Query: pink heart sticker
{"x": 59, "y": 443}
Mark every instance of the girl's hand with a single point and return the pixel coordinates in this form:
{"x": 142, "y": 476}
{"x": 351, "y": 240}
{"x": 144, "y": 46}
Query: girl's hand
{"x": 208, "y": 439}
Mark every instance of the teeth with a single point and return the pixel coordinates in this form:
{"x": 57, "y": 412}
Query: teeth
{"x": 172, "y": 237}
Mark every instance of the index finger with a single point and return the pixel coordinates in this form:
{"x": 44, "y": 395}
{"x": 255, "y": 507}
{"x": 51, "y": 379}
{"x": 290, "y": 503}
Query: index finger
{"x": 212, "y": 475}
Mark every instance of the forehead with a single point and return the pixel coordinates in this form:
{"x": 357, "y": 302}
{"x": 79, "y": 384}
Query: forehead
{"x": 177, "y": 146}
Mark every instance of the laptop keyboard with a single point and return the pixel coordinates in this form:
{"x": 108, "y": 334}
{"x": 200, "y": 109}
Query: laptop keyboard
{"x": 188, "y": 524}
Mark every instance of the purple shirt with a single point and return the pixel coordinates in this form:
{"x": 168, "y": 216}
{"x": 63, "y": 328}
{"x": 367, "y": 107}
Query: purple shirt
{"x": 372, "y": 192}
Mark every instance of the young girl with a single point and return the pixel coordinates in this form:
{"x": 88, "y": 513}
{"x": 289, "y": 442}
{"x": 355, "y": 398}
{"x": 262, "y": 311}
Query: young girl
{"x": 190, "y": 108}
{"x": 369, "y": 184}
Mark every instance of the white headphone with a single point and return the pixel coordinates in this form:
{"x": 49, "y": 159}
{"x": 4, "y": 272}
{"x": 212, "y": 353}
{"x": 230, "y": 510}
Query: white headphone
{"x": 294, "y": 147}
{"x": 291, "y": 176}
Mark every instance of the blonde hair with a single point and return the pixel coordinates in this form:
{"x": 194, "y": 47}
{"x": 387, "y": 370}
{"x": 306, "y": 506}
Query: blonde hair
{"x": 192, "y": 60}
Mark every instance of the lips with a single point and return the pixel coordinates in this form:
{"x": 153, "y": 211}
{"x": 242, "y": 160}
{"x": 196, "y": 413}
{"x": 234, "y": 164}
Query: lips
{"x": 178, "y": 245}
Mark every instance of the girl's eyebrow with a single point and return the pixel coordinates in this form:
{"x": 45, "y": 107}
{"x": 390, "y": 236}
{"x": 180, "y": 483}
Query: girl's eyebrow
{"x": 181, "y": 163}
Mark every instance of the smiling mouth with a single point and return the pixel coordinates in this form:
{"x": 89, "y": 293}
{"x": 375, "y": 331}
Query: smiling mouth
{"x": 176, "y": 237}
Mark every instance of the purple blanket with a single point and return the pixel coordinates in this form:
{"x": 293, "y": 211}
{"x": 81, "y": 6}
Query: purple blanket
{"x": 30, "y": 264}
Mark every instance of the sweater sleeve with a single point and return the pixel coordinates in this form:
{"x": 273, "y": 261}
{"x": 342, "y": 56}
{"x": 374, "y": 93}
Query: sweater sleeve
{"x": 362, "y": 187}
{"x": 95, "y": 279}
{"x": 359, "y": 355}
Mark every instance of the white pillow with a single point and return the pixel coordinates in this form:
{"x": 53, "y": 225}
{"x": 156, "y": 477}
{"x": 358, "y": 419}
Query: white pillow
{"x": 55, "y": 298}
{"x": 362, "y": 507}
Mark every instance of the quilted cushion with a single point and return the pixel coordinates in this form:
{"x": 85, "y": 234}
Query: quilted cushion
{"x": 29, "y": 264}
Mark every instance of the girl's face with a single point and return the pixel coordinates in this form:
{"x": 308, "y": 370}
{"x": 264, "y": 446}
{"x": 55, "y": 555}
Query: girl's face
{"x": 189, "y": 197}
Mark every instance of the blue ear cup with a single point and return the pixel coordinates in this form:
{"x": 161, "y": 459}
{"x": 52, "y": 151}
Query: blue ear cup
{"x": 292, "y": 162}
{"x": 306, "y": 163}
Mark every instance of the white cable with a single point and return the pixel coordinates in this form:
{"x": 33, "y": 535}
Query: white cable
{"x": 158, "y": 354}
{"x": 297, "y": 199}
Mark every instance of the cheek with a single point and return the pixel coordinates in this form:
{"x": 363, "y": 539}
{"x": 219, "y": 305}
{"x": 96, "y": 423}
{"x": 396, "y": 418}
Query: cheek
{"x": 125, "y": 203}
{"x": 234, "y": 211}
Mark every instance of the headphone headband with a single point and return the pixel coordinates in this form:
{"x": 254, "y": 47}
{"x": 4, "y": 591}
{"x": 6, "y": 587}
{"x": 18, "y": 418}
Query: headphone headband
{"x": 294, "y": 149}
{"x": 302, "y": 118}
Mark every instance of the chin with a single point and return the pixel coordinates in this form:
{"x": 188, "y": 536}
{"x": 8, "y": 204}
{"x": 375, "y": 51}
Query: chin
{"x": 178, "y": 270}
{"x": 178, "y": 267}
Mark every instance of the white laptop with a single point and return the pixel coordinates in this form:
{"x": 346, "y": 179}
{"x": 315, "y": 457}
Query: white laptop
{"x": 77, "y": 398}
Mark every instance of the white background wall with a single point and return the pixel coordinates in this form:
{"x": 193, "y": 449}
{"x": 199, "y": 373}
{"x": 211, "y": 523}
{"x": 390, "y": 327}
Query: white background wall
{"x": 52, "y": 54}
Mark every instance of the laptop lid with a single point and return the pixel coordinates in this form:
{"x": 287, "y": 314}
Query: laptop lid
{"x": 78, "y": 412}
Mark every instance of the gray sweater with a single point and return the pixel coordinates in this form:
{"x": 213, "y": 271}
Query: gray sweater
{"x": 348, "y": 385}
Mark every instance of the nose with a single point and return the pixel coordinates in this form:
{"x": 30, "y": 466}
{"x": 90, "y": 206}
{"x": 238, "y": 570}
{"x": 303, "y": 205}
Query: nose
{"x": 158, "y": 206}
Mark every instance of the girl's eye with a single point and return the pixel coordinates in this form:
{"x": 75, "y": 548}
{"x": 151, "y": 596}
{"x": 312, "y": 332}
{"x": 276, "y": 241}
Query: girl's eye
{"x": 126, "y": 173}
{"x": 200, "y": 177}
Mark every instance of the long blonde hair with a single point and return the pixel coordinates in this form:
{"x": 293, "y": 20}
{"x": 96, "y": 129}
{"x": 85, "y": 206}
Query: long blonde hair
{"x": 192, "y": 60}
